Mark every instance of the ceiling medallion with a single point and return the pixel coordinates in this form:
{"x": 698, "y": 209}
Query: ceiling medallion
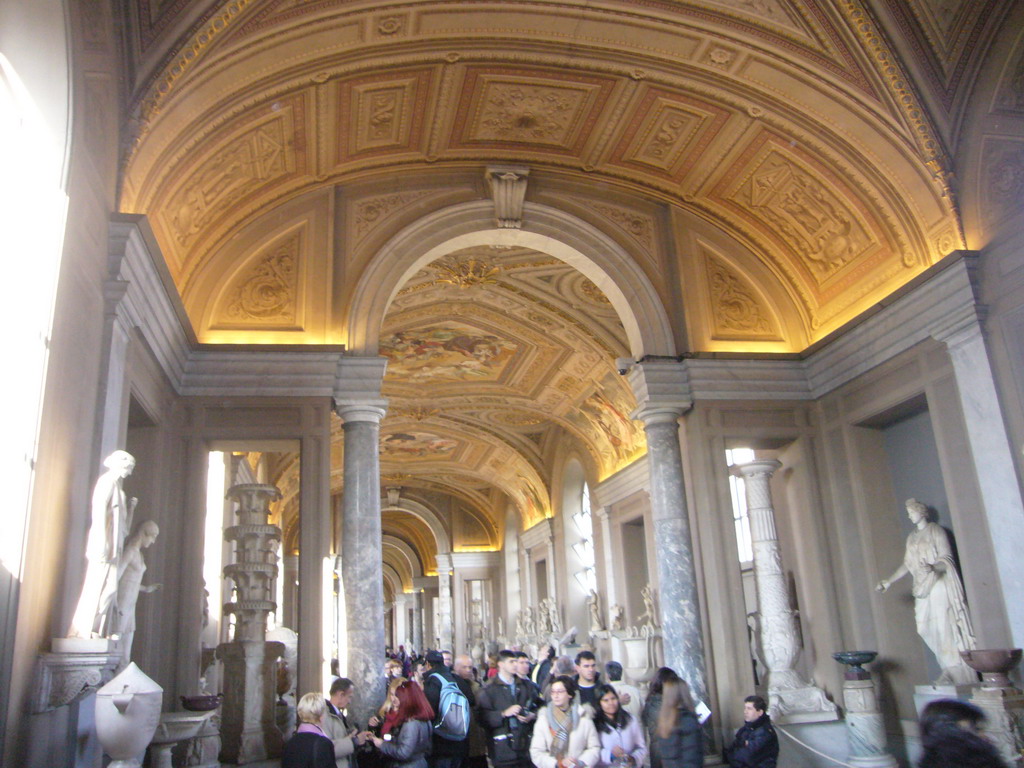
{"x": 467, "y": 273}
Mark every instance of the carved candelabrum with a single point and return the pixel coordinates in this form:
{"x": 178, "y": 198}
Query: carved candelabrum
{"x": 248, "y": 729}
{"x": 790, "y": 698}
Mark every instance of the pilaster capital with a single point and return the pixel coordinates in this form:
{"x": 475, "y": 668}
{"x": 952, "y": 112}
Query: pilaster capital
{"x": 756, "y": 468}
{"x": 541, "y": 533}
{"x": 357, "y": 385}
{"x": 662, "y": 389}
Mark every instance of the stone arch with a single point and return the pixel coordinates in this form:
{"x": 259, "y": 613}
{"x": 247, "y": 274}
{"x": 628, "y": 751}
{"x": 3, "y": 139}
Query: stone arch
{"x": 407, "y": 552}
{"x": 393, "y": 578}
{"x": 548, "y": 230}
{"x": 426, "y": 515}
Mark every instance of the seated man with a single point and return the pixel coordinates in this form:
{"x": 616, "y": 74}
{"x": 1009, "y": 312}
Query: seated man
{"x": 756, "y": 744}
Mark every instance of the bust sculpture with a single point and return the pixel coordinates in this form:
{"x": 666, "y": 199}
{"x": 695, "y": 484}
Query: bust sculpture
{"x": 110, "y": 520}
{"x": 940, "y": 608}
{"x": 129, "y": 585}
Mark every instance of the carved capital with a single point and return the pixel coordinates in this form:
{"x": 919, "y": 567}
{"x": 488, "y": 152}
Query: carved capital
{"x": 508, "y": 188}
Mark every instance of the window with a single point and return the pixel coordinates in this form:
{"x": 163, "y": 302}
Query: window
{"x": 584, "y": 548}
{"x": 741, "y": 520}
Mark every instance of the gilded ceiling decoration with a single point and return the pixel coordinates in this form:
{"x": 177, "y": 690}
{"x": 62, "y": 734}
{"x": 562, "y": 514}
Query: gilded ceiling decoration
{"x": 278, "y": 145}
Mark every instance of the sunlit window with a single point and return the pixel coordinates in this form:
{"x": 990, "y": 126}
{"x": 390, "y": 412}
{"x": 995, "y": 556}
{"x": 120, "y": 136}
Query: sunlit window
{"x": 584, "y": 548}
{"x": 740, "y": 518}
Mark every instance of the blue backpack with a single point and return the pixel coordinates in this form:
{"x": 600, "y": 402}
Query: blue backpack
{"x": 452, "y": 711}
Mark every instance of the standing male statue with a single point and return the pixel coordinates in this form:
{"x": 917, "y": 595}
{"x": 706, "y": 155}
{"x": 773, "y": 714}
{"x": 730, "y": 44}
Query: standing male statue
{"x": 111, "y": 519}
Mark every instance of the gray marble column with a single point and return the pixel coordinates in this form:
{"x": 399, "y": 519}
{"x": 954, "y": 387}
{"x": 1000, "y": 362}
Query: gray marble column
{"x": 417, "y": 620}
{"x": 662, "y": 392}
{"x": 359, "y": 404}
{"x": 992, "y": 457}
{"x": 790, "y": 698}
{"x": 444, "y": 600}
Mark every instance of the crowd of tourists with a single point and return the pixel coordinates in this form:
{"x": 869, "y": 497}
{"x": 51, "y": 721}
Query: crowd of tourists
{"x": 553, "y": 711}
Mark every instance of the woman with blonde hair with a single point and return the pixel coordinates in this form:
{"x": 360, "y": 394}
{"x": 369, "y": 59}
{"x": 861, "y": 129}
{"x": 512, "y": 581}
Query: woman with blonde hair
{"x": 680, "y": 738}
{"x": 309, "y": 747}
{"x": 564, "y": 735}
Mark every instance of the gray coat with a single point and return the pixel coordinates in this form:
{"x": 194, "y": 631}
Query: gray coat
{"x": 410, "y": 746}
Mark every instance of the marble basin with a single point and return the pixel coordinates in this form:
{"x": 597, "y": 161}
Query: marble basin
{"x": 994, "y": 664}
{"x": 854, "y": 658}
{"x": 178, "y": 726}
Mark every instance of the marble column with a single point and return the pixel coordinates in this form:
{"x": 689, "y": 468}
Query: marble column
{"x": 444, "y": 600}
{"x": 992, "y": 457}
{"x": 662, "y": 395}
{"x": 314, "y": 546}
{"x": 417, "y": 621}
{"x": 790, "y": 698}
{"x": 359, "y": 405}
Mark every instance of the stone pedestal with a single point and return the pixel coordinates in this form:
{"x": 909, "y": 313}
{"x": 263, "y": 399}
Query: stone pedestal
{"x": 865, "y": 726}
{"x": 1002, "y": 703}
{"x": 249, "y": 732}
{"x": 791, "y": 699}
{"x": 69, "y": 674}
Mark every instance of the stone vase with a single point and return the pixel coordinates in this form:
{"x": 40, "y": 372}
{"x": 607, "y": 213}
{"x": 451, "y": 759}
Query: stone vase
{"x": 127, "y": 716}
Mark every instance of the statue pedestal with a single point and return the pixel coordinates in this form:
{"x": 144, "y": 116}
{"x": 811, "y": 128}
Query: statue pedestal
{"x": 76, "y": 668}
{"x": 249, "y": 732}
{"x": 865, "y": 726}
{"x": 1004, "y": 720}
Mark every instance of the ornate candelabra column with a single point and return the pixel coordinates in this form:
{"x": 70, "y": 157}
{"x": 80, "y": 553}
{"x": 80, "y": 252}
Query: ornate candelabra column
{"x": 444, "y": 600}
{"x": 790, "y": 698}
{"x": 248, "y": 729}
{"x": 865, "y": 726}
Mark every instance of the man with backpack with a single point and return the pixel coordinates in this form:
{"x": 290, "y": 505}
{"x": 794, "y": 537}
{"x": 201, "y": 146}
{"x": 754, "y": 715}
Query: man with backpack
{"x": 452, "y": 700}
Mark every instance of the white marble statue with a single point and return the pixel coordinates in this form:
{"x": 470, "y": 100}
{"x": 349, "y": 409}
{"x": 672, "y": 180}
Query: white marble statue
{"x": 110, "y": 521}
{"x": 594, "y": 606}
{"x": 129, "y": 584}
{"x": 940, "y": 608}
{"x": 554, "y": 619}
{"x": 649, "y": 617}
{"x": 617, "y": 617}
{"x": 520, "y": 626}
{"x": 529, "y": 626}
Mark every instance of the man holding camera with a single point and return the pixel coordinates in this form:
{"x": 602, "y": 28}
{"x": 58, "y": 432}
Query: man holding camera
{"x": 506, "y": 709}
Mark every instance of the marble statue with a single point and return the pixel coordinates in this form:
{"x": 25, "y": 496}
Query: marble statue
{"x": 520, "y": 626}
{"x": 111, "y": 519}
{"x": 617, "y": 616}
{"x": 129, "y": 585}
{"x": 649, "y": 617}
{"x": 543, "y": 617}
{"x": 529, "y": 627}
{"x": 594, "y": 606}
{"x": 940, "y": 607}
{"x": 554, "y": 619}
{"x": 501, "y": 626}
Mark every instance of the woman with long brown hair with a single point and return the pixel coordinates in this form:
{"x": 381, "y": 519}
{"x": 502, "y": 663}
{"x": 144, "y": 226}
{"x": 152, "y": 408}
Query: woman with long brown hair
{"x": 680, "y": 738}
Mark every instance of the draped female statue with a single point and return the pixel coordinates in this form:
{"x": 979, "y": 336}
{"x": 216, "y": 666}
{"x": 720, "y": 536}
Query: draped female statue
{"x": 940, "y": 607}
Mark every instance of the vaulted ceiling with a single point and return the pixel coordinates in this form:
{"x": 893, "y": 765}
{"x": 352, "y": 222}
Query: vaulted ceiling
{"x": 773, "y": 167}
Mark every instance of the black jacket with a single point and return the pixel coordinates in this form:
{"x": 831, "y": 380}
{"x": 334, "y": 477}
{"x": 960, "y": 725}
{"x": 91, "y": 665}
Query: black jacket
{"x": 308, "y": 750}
{"x": 756, "y": 745}
{"x": 508, "y": 740}
{"x": 443, "y": 747}
{"x": 950, "y": 746}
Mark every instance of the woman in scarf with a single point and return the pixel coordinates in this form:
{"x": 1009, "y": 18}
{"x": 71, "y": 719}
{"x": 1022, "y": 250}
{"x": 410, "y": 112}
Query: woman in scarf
{"x": 309, "y": 746}
{"x": 407, "y": 741}
{"x": 564, "y": 735}
{"x": 622, "y": 738}
{"x": 680, "y": 738}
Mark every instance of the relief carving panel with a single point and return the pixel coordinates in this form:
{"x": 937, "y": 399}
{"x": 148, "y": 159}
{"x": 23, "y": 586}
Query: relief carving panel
{"x": 814, "y": 215}
{"x": 255, "y": 156}
{"x": 266, "y": 292}
{"x": 375, "y": 116}
{"x": 736, "y": 308}
{"x": 1002, "y": 179}
{"x": 1010, "y": 94}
